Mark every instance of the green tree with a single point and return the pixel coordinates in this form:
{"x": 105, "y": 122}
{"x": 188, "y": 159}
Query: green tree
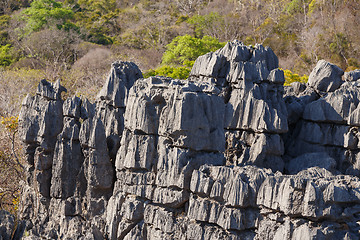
{"x": 6, "y": 57}
{"x": 301, "y": 7}
{"x": 181, "y": 54}
{"x": 339, "y": 48}
{"x": 200, "y": 23}
{"x": 187, "y": 48}
{"x": 97, "y": 19}
{"x": 46, "y": 13}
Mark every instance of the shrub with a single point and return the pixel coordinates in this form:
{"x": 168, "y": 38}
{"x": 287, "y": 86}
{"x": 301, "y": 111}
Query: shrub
{"x": 11, "y": 164}
{"x": 291, "y": 77}
{"x": 45, "y": 13}
{"x": 167, "y": 71}
{"x": 6, "y": 57}
{"x": 188, "y": 48}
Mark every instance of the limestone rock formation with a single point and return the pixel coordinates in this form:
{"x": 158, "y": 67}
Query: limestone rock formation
{"x": 325, "y": 77}
{"x": 328, "y": 124}
{"x": 9, "y": 228}
{"x": 309, "y": 207}
{"x": 229, "y": 153}
{"x": 69, "y": 146}
{"x": 255, "y": 114}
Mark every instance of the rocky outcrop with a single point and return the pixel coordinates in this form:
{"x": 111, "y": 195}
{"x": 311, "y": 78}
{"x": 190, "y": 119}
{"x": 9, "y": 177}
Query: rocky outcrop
{"x": 229, "y": 153}
{"x": 71, "y": 147}
{"x": 328, "y": 123}
{"x": 255, "y": 114}
{"x": 10, "y": 228}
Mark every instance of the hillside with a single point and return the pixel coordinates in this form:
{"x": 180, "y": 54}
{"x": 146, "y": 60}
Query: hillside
{"x": 64, "y": 39}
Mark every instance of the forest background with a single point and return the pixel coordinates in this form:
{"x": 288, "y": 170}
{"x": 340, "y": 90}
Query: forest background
{"x": 76, "y": 41}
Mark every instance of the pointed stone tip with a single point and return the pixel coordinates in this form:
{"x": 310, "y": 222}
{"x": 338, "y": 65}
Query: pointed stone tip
{"x": 121, "y": 78}
{"x": 26, "y": 100}
{"x": 325, "y": 77}
{"x": 59, "y": 87}
{"x": 51, "y": 91}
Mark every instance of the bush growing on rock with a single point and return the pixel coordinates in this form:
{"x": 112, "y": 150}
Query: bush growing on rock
{"x": 181, "y": 54}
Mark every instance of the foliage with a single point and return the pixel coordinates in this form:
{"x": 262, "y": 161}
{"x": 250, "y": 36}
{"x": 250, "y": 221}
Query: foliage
{"x": 287, "y": 26}
{"x": 312, "y": 6}
{"x": 188, "y": 48}
{"x": 173, "y": 72}
{"x": 10, "y": 123}
{"x": 201, "y": 22}
{"x": 42, "y": 13}
{"x": 97, "y": 18}
{"x": 181, "y": 54}
{"x": 10, "y": 164}
{"x": 291, "y": 77}
{"x": 6, "y": 56}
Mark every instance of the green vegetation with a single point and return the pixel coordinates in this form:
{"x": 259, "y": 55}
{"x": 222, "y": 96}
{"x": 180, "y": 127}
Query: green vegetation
{"x": 173, "y": 72}
{"x": 46, "y": 13}
{"x": 181, "y": 54}
{"x": 200, "y": 23}
{"x": 186, "y": 48}
{"x": 299, "y": 31}
{"x": 294, "y": 77}
{"x": 6, "y": 58}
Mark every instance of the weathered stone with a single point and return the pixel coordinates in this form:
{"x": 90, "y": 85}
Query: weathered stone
{"x": 190, "y": 118}
{"x": 112, "y": 118}
{"x": 121, "y": 79}
{"x": 261, "y": 109}
{"x": 7, "y": 225}
{"x": 159, "y": 158}
{"x": 67, "y": 161}
{"x": 175, "y": 165}
{"x": 261, "y": 53}
{"x": 159, "y": 218}
{"x": 335, "y": 107}
{"x": 325, "y": 77}
{"x": 352, "y": 75}
{"x": 194, "y": 120}
{"x": 170, "y": 197}
{"x": 137, "y": 152}
{"x": 235, "y": 51}
{"x": 72, "y": 107}
{"x": 308, "y": 160}
{"x": 307, "y": 196}
{"x": 277, "y": 76}
{"x": 210, "y": 65}
{"x": 50, "y": 91}
{"x": 40, "y": 121}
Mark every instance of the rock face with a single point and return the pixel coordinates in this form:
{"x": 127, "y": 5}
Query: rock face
{"x": 9, "y": 227}
{"x": 229, "y": 153}
{"x": 71, "y": 147}
{"x": 328, "y": 123}
{"x": 255, "y": 113}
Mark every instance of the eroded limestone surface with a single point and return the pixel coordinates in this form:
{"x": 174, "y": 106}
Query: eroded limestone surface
{"x": 229, "y": 153}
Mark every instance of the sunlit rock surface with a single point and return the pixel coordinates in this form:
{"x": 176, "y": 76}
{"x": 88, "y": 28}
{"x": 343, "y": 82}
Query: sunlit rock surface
{"x": 229, "y": 153}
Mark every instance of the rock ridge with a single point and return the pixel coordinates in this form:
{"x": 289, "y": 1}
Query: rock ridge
{"x": 230, "y": 153}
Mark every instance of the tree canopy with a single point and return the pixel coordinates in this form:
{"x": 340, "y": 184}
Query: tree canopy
{"x": 46, "y": 13}
{"x": 183, "y": 49}
{"x": 181, "y": 54}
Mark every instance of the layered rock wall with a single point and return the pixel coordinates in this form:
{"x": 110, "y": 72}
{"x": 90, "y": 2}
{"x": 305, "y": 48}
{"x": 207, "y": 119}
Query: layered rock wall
{"x": 227, "y": 154}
